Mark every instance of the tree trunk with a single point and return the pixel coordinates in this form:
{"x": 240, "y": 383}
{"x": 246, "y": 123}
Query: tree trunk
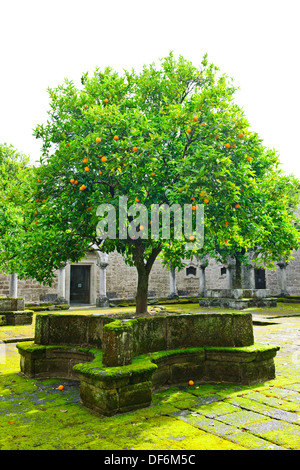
{"x": 238, "y": 271}
{"x": 142, "y": 291}
{"x": 143, "y": 269}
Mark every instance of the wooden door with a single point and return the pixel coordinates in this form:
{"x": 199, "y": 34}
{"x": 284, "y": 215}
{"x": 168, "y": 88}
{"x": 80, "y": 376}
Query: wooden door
{"x": 80, "y": 284}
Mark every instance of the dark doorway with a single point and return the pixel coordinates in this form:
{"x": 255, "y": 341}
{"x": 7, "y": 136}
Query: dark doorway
{"x": 80, "y": 284}
{"x": 260, "y": 279}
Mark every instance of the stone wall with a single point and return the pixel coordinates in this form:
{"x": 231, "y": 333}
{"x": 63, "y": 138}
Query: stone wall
{"x": 121, "y": 280}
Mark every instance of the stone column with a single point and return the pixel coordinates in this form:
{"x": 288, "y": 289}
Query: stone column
{"x": 13, "y": 287}
{"x": 61, "y": 288}
{"x": 173, "y": 290}
{"x": 230, "y": 272}
{"x": 102, "y": 300}
{"x": 283, "y": 281}
{"x": 203, "y": 263}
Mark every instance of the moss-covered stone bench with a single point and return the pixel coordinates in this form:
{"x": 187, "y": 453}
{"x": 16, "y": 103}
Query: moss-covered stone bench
{"x": 13, "y": 312}
{"x": 121, "y": 362}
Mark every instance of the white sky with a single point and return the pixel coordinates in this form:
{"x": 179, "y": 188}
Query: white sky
{"x": 255, "y": 42}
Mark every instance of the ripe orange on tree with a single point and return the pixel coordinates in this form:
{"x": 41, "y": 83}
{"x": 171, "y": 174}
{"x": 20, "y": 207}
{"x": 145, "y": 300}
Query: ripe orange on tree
{"x": 237, "y": 206}
{"x": 203, "y": 124}
{"x": 75, "y": 182}
{"x": 152, "y": 174}
{"x": 116, "y": 137}
{"x": 85, "y": 160}
{"x": 86, "y": 168}
{"x": 192, "y": 238}
{"x": 134, "y": 149}
{"x": 188, "y": 131}
{"x": 241, "y": 135}
{"x": 100, "y": 172}
{"x": 227, "y": 146}
{"x": 195, "y": 118}
{"x": 103, "y": 159}
{"x": 106, "y": 100}
{"x": 72, "y": 180}
{"x": 137, "y": 200}
{"x": 98, "y": 140}
{"x": 249, "y": 159}
{"x": 206, "y": 200}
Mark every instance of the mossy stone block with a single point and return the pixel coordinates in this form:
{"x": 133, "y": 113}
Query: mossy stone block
{"x": 12, "y": 304}
{"x": 117, "y": 343}
{"x": 149, "y": 334}
{"x": 102, "y": 401}
{"x": 135, "y": 396}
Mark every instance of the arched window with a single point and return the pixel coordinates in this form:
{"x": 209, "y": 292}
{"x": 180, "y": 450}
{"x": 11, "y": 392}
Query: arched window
{"x": 191, "y": 271}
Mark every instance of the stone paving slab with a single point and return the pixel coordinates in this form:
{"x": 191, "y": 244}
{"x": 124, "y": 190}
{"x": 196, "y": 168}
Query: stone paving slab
{"x": 33, "y": 415}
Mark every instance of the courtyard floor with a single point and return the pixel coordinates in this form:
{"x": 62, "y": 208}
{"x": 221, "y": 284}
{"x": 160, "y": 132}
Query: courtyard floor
{"x": 35, "y": 415}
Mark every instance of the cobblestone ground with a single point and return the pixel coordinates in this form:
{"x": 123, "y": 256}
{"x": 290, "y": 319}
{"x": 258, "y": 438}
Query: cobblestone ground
{"x": 35, "y": 415}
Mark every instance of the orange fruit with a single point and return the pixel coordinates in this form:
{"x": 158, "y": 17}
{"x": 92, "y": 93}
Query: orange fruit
{"x": 100, "y": 172}
{"x": 86, "y": 168}
{"x": 152, "y": 174}
{"x": 189, "y": 131}
{"x": 103, "y": 159}
{"x": 106, "y": 100}
{"x": 203, "y": 124}
{"x": 60, "y": 387}
{"x": 241, "y": 135}
{"x": 89, "y": 208}
{"x": 227, "y": 146}
{"x": 181, "y": 189}
{"x": 249, "y": 159}
{"x": 116, "y": 137}
{"x": 85, "y": 106}
{"x": 82, "y": 187}
{"x": 237, "y": 206}
{"x": 36, "y": 222}
{"x": 195, "y": 118}
{"x": 206, "y": 201}
{"x": 192, "y": 198}
{"x": 85, "y": 160}
{"x": 98, "y": 140}
{"x": 233, "y": 146}
{"x": 72, "y": 180}
{"x": 141, "y": 227}
{"x": 192, "y": 238}
{"x": 75, "y": 182}
{"x": 191, "y": 382}
{"x": 134, "y": 149}
{"x": 194, "y": 208}
{"x": 226, "y": 224}
{"x": 202, "y": 194}
{"x": 137, "y": 200}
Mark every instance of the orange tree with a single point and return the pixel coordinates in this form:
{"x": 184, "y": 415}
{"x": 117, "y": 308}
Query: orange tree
{"x": 170, "y": 134}
{"x": 15, "y": 192}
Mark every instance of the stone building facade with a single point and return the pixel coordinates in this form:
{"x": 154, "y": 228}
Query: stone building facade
{"x": 107, "y": 275}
